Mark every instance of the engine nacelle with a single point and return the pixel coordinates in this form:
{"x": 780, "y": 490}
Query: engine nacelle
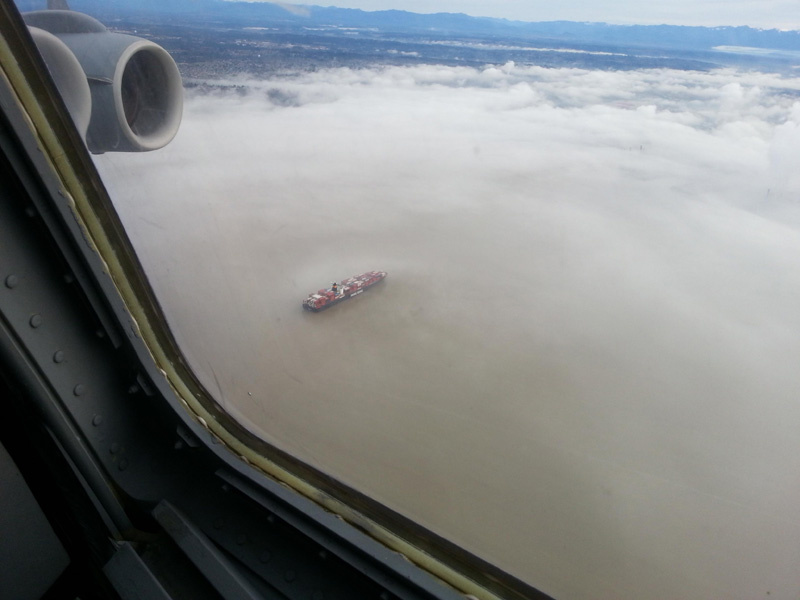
{"x": 135, "y": 87}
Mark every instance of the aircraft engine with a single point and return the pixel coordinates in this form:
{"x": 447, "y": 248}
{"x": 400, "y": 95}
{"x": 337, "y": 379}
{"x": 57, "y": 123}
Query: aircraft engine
{"x": 136, "y": 94}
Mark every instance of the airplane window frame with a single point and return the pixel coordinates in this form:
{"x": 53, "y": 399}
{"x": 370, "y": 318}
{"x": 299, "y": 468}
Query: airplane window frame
{"x": 89, "y": 234}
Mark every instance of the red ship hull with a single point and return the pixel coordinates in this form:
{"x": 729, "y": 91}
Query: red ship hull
{"x": 344, "y": 290}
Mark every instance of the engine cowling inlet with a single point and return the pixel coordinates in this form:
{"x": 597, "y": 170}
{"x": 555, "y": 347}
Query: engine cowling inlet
{"x": 135, "y": 87}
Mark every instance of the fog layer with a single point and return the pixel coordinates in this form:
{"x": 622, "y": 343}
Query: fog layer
{"x": 583, "y": 365}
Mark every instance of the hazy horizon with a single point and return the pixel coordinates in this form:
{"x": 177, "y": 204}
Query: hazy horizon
{"x": 769, "y": 14}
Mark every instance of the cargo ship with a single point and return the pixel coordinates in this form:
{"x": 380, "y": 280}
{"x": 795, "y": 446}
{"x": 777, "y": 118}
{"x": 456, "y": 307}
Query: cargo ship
{"x": 344, "y": 290}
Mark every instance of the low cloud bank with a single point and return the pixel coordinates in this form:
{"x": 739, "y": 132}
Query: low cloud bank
{"x": 589, "y": 332}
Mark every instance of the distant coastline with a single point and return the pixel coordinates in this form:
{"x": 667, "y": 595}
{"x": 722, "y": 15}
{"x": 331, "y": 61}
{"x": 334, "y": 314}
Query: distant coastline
{"x": 398, "y": 21}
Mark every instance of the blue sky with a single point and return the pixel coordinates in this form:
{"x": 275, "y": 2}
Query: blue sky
{"x": 782, "y": 14}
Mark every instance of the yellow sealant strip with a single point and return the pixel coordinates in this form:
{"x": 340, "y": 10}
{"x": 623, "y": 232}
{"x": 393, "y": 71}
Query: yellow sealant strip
{"x": 97, "y": 237}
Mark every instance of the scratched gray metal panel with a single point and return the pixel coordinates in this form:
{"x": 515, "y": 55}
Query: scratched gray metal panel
{"x": 31, "y": 556}
{"x": 211, "y": 561}
{"x": 132, "y": 578}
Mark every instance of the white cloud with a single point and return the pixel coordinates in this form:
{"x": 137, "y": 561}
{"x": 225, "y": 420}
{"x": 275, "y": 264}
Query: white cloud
{"x": 585, "y": 354}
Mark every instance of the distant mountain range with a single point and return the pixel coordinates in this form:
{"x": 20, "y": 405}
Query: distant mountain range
{"x": 265, "y": 14}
